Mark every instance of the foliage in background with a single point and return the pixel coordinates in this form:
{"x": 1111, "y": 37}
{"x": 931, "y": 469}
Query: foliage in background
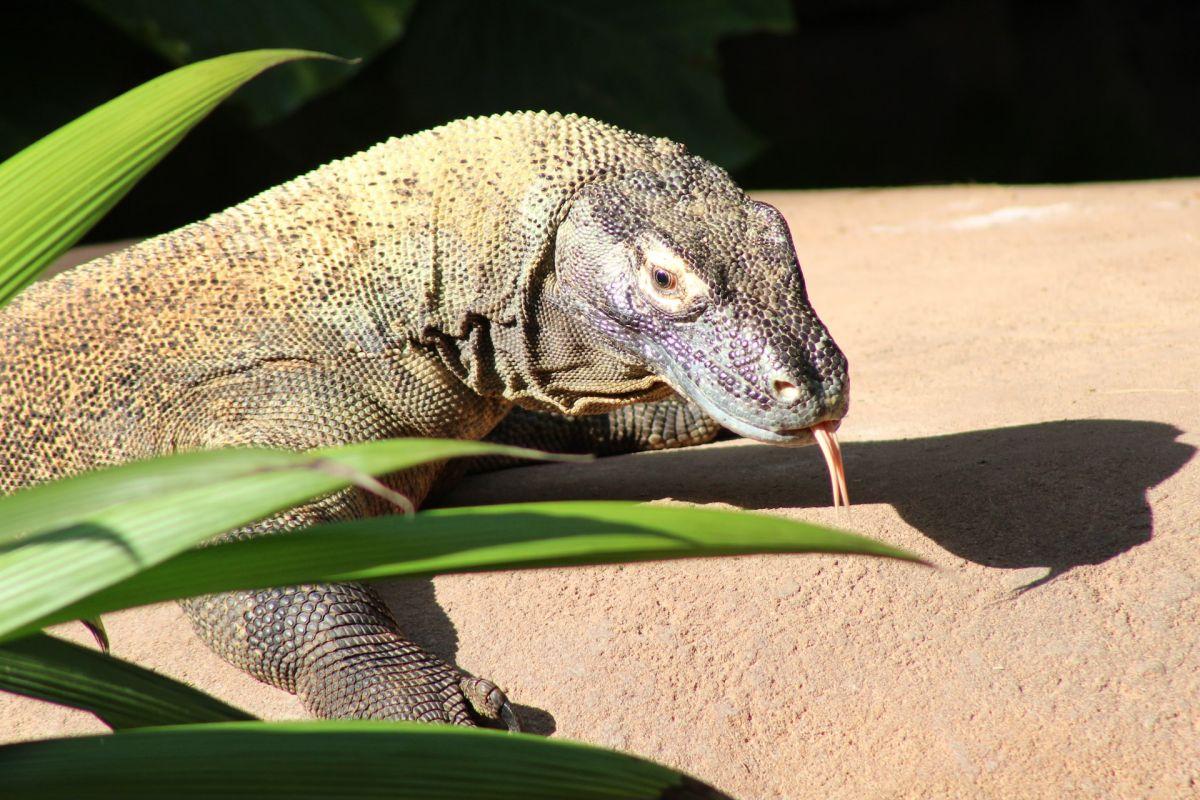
{"x": 785, "y": 94}
{"x": 183, "y": 31}
{"x": 651, "y": 67}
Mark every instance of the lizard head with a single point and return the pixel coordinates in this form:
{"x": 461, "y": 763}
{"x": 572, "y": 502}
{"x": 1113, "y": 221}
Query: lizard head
{"x": 701, "y": 286}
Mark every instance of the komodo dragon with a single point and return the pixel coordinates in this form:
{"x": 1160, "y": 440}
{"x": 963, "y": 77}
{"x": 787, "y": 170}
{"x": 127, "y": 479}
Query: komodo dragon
{"x": 428, "y": 286}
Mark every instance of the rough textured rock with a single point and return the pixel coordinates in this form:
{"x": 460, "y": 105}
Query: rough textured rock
{"x": 1026, "y": 412}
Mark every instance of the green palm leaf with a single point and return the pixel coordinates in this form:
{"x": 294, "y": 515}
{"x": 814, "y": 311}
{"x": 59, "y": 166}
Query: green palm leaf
{"x": 63, "y": 541}
{"x": 518, "y": 536}
{"x": 354, "y": 760}
{"x": 121, "y": 694}
{"x": 53, "y": 191}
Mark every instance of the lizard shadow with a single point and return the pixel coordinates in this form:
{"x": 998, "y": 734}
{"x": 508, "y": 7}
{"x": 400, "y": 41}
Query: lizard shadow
{"x": 1055, "y": 495}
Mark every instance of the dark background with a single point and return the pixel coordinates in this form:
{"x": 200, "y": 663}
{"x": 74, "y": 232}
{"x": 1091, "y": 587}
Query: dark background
{"x": 801, "y": 94}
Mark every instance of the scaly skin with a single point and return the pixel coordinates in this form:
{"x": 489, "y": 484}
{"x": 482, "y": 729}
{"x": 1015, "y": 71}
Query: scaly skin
{"x": 424, "y": 287}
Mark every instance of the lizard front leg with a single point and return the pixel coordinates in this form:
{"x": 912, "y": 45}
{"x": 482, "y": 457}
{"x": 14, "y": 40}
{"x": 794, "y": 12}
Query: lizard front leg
{"x": 336, "y": 646}
{"x": 662, "y": 425}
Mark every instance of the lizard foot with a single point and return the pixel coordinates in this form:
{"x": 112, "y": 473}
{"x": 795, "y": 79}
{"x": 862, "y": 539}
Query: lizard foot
{"x": 419, "y": 688}
{"x": 489, "y": 702}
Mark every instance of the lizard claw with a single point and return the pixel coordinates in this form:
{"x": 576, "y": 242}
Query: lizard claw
{"x": 510, "y": 717}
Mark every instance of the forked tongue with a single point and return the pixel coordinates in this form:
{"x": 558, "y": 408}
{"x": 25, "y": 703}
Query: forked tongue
{"x": 823, "y": 432}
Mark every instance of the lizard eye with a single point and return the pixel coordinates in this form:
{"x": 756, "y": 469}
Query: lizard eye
{"x": 667, "y": 281}
{"x": 664, "y": 280}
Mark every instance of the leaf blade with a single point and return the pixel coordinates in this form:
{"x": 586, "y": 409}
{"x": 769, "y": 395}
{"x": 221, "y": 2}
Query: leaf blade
{"x": 53, "y": 191}
{"x": 121, "y": 694}
{"x": 64, "y": 541}
{"x": 334, "y": 759}
{"x": 476, "y": 539}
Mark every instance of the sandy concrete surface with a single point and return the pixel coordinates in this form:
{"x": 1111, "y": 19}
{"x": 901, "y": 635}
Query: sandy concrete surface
{"x": 1026, "y": 409}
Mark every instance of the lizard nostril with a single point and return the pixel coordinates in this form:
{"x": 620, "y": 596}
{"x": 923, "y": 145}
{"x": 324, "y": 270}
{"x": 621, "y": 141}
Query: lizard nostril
{"x": 785, "y": 391}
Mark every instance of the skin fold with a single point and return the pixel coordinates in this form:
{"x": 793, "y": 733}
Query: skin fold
{"x": 538, "y": 279}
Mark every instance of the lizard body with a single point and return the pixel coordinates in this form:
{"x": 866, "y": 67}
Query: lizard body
{"x": 526, "y": 276}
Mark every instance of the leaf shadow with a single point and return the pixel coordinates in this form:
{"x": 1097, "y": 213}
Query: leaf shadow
{"x": 72, "y": 533}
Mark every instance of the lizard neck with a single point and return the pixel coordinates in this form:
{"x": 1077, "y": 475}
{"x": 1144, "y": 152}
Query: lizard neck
{"x": 455, "y": 231}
